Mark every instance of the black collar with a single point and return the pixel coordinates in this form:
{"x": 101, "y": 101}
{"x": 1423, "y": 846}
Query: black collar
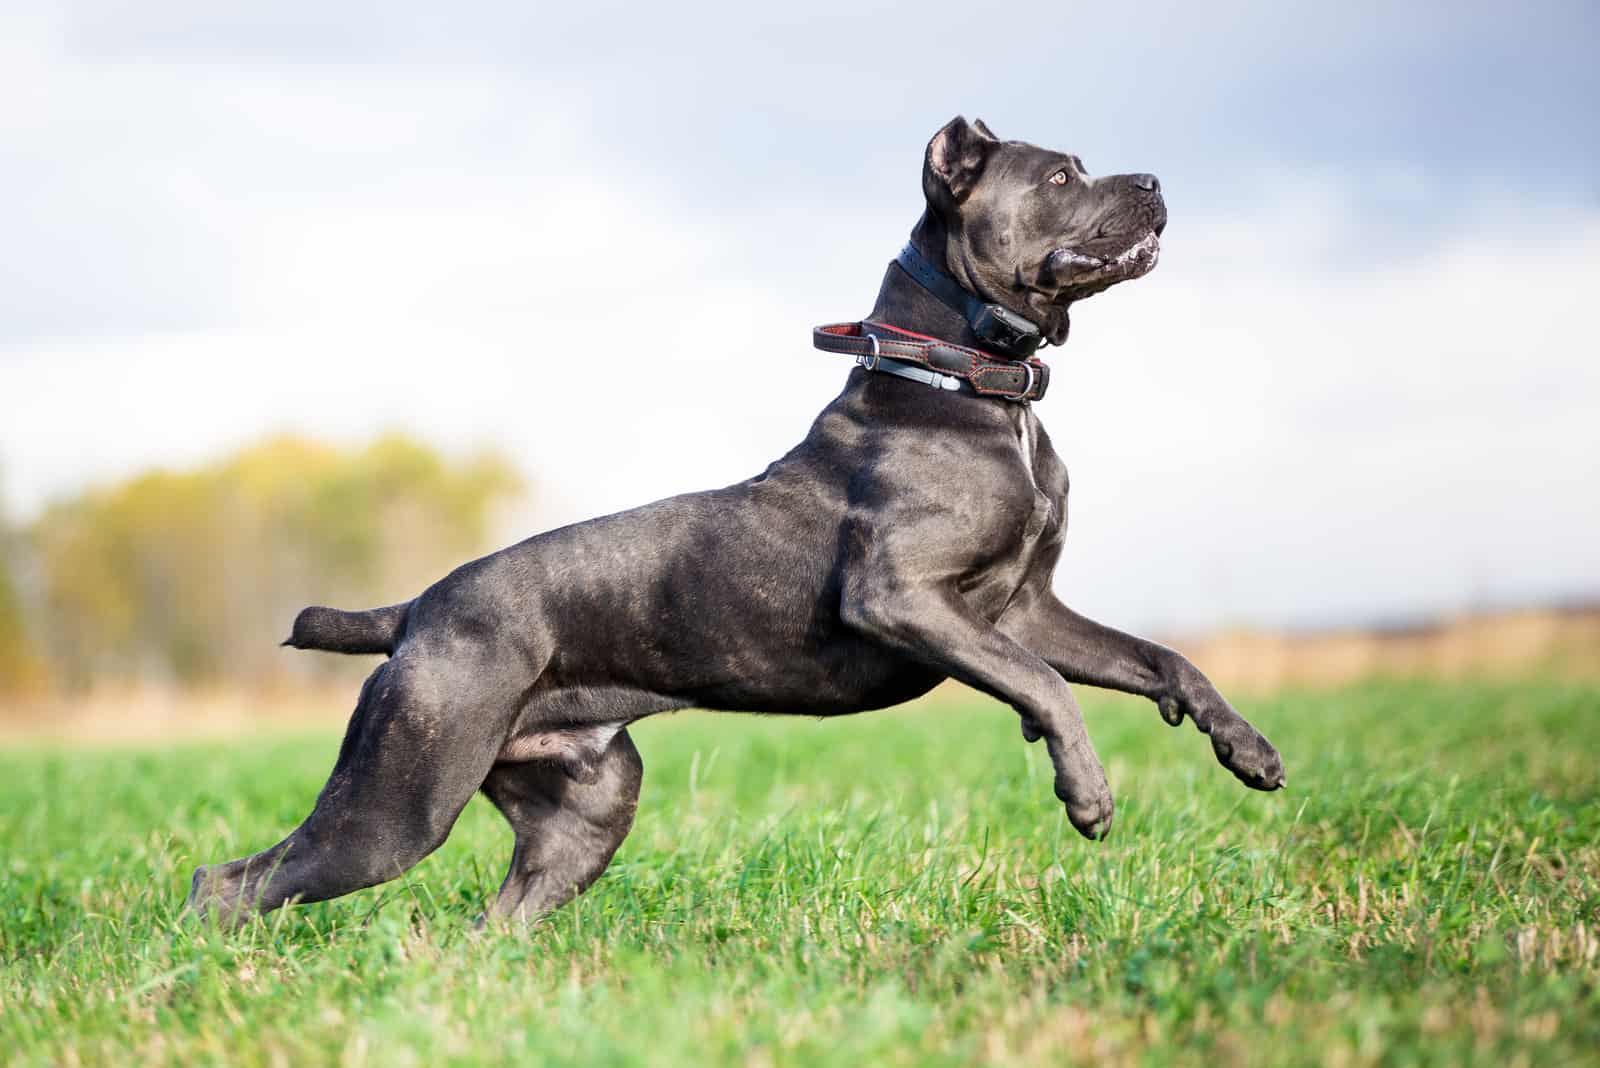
{"x": 998, "y": 328}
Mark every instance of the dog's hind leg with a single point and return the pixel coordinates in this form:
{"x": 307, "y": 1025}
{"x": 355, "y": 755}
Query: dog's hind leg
{"x": 408, "y": 765}
{"x": 567, "y": 830}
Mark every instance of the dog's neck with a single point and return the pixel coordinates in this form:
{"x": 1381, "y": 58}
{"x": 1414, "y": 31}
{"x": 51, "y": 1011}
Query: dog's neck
{"x": 904, "y": 303}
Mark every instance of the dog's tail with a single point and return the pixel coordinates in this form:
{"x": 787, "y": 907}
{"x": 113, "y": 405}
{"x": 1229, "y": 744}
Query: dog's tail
{"x": 376, "y": 630}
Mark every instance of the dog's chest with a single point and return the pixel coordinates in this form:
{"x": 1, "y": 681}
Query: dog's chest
{"x": 1043, "y": 509}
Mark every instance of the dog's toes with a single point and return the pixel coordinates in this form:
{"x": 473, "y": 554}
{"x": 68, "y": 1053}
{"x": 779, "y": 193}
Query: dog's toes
{"x": 201, "y": 904}
{"x": 1083, "y": 789}
{"x": 1093, "y": 821}
{"x": 197, "y": 883}
{"x": 213, "y": 900}
{"x": 1242, "y": 750}
{"x": 1091, "y": 815}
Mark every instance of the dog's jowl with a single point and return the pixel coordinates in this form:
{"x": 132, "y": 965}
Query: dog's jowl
{"x": 909, "y": 538}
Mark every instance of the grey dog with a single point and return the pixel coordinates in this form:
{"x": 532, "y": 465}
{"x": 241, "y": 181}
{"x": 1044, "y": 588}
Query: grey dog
{"x": 910, "y": 538}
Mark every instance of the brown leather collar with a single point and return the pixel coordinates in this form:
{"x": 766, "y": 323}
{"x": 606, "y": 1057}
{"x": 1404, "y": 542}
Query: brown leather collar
{"x": 977, "y": 371}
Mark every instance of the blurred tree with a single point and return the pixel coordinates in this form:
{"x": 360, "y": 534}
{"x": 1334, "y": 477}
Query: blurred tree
{"x": 194, "y": 576}
{"x": 23, "y": 670}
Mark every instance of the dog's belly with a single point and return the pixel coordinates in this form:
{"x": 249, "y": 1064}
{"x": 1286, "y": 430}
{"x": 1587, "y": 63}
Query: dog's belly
{"x": 766, "y": 672}
{"x": 832, "y": 685}
{"x": 561, "y": 717}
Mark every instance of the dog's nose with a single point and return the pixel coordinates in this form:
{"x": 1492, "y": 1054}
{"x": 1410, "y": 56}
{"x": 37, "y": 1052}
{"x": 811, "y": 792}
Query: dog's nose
{"x": 1148, "y": 182}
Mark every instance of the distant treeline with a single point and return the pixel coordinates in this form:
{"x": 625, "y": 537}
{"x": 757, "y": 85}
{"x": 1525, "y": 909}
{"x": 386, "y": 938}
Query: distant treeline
{"x": 194, "y": 576}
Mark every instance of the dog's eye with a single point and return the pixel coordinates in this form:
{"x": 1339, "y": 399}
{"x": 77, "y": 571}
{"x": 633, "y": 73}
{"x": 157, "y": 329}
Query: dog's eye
{"x": 1058, "y": 178}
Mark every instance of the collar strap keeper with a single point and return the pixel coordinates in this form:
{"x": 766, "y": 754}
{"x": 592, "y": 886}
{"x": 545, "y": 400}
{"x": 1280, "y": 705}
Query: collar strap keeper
{"x": 881, "y": 347}
{"x": 997, "y": 327}
{"x": 932, "y": 379}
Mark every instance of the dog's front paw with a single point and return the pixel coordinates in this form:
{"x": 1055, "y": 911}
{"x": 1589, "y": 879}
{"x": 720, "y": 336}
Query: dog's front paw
{"x": 1239, "y": 747}
{"x": 1081, "y": 786}
{"x": 1092, "y": 818}
{"x": 1244, "y": 751}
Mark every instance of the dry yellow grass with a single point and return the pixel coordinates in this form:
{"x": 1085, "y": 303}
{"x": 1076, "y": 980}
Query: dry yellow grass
{"x": 111, "y": 715}
{"x": 1562, "y": 643}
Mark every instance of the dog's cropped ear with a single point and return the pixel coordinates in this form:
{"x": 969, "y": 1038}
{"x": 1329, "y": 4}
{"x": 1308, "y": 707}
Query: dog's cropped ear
{"x": 983, "y": 128}
{"x": 955, "y": 158}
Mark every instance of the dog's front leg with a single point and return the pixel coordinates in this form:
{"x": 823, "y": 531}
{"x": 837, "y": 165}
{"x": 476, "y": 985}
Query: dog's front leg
{"x": 936, "y": 628}
{"x": 1092, "y": 653}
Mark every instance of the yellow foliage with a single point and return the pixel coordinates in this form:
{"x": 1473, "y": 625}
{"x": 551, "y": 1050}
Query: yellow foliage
{"x": 22, "y": 668}
{"x": 194, "y": 576}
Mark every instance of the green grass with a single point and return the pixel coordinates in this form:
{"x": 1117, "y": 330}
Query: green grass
{"x": 896, "y": 888}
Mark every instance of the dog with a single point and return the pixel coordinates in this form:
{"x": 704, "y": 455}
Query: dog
{"x": 910, "y": 538}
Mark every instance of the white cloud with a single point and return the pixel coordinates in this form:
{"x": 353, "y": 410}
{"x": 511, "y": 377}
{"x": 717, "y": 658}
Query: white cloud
{"x": 1327, "y": 444}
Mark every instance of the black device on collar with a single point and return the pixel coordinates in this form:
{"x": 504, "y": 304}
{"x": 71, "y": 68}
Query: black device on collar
{"x": 998, "y": 328}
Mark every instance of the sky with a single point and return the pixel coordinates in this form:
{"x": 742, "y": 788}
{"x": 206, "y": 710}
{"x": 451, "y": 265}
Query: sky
{"x": 1361, "y": 386}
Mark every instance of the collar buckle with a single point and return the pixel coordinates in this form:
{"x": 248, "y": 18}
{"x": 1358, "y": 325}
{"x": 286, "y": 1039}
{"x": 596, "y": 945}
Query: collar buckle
{"x": 1022, "y": 398}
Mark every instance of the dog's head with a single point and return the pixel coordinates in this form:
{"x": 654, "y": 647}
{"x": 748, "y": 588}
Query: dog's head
{"x": 1029, "y": 229}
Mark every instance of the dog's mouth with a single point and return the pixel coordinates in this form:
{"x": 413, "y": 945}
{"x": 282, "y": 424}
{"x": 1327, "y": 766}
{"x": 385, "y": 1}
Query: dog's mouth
{"x": 1101, "y": 262}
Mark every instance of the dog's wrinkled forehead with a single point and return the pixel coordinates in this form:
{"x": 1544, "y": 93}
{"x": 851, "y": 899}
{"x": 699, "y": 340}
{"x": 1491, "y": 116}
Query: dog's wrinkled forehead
{"x": 1030, "y": 162}
{"x": 962, "y": 157}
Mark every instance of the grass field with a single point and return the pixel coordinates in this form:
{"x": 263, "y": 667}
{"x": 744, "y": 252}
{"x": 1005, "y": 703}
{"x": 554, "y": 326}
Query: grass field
{"x": 896, "y": 888}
